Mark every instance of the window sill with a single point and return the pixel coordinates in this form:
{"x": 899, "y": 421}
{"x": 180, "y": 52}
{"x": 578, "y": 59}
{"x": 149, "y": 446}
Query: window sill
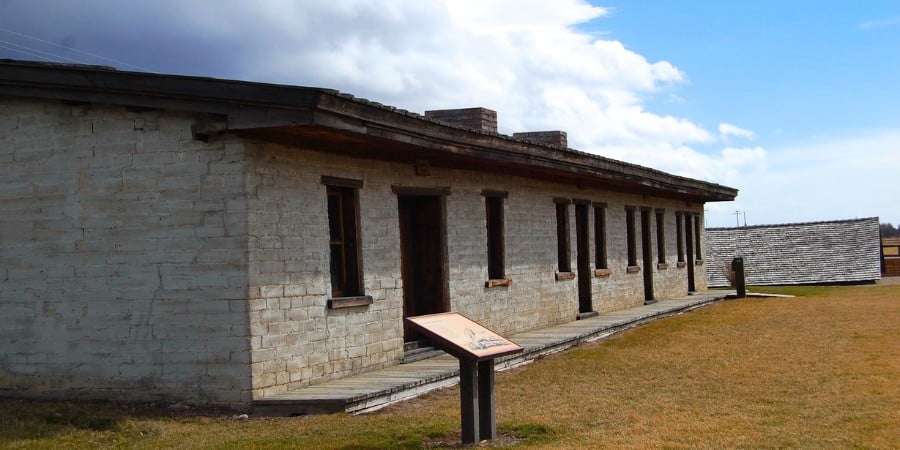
{"x": 633, "y": 269}
{"x": 602, "y": 273}
{"x": 497, "y": 282}
{"x": 682, "y": 264}
{"x": 560, "y": 276}
{"x": 698, "y": 262}
{"x": 349, "y": 302}
{"x": 662, "y": 266}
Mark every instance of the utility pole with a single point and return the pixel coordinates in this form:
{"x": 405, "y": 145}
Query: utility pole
{"x": 737, "y": 218}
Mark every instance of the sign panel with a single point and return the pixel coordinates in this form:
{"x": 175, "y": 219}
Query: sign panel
{"x": 462, "y": 337}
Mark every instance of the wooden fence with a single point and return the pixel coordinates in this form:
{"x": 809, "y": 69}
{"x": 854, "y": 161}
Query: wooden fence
{"x": 890, "y": 248}
{"x": 891, "y": 267}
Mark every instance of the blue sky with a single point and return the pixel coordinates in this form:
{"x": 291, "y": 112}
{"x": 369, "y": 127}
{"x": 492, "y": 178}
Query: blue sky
{"x": 795, "y": 103}
{"x": 788, "y": 70}
{"x": 803, "y": 76}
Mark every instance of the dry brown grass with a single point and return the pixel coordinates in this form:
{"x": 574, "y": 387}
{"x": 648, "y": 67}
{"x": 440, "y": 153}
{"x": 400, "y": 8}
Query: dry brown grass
{"x": 819, "y": 371}
{"x": 816, "y": 371}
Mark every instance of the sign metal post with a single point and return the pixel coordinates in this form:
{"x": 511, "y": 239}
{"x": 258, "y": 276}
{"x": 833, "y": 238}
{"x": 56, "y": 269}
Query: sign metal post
{"x": 476, "y": 347}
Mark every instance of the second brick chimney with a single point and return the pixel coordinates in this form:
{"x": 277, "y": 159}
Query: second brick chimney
{"x": 478, "y": 119}
{"x": 551, "y": 138}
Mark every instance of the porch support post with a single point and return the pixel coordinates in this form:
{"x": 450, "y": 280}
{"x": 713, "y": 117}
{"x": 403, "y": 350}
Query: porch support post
{"x": 740, "y": 282}
{"x": 468, "y": 400}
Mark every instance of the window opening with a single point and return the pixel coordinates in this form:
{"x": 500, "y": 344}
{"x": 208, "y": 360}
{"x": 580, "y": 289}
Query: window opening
{"x": 697, "y": 227}
{"x": 660, "y": 236}
{"x": 630, "y": 236}
{"x": 679, "y": 232}
{"x": 343, "y": 231}
{"x": 495, "y": 239}
{"x": 600, "y": 255}
{"x": 562, "y": 237}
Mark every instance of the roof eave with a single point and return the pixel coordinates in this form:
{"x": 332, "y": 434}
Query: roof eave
{"x": 261, "y": 108}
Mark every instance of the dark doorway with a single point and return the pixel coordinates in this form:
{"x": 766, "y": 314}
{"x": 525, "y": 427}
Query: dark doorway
{"x": 689, "y": 238}
{"x": 423, "y": 244}
{"x": 583, "y": 257}
{"x": 647, "y": 253}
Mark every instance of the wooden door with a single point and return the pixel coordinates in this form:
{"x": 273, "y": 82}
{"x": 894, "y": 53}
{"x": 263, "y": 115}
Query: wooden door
{"x": 583, "y": 258}
{"x": 647, "y": 253}
{"x": 689, "y": 243}
{"x": 423, "y": 257}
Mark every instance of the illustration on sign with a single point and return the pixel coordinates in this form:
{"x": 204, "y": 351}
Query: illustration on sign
{"x": 480, "y": 340}
{"x": 463, "y": 337}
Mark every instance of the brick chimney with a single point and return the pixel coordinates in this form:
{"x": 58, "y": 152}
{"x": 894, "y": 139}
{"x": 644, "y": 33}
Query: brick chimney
{"x": 478, "y": 119}
{"x": 551, "y": 138}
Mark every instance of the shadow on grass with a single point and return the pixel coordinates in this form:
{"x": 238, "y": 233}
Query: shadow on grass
{"x": 36, "y": 419}
{"x": 21, "y": 420}
{"x": 507, "y": 436}
{"x": 33, "y": 420}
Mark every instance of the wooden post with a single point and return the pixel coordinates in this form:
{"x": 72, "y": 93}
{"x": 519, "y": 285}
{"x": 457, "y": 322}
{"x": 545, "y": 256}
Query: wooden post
{"x": 468, "y": 400}
{"x": 737, "y": 264}
{"x": 486, "y": 405}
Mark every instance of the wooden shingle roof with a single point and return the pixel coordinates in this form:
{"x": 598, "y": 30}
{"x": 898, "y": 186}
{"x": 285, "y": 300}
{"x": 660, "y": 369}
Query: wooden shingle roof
{"x": 844, "y": 251}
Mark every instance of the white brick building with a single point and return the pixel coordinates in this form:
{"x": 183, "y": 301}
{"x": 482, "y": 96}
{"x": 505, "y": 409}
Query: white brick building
{"x": 182, "y": 238}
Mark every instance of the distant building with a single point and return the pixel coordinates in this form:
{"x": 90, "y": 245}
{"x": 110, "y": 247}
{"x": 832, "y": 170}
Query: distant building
{"x": 842, "y": 251}
{"x": 171, "y": 237}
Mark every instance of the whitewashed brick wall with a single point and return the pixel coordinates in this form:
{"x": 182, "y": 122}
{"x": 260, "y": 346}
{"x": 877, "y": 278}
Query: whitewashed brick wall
{"x": 139, "y": 263}
{"x": 297, "y": 341}
{"x": 122, "y": 248}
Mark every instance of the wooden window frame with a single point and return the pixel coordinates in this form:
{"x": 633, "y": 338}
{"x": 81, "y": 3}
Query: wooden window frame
{"x": 496, "y": 237}
{"x": 601, "y": 255}
{"x": 679, "y": 237}
{"x": 563, "y": 244}
{"x": 698, "y": 223}
{"x": 414, "y": 191}
{"x": 631, "y": 237}
{"x": 344, "y": 243}
{"x": 661, "y": 239}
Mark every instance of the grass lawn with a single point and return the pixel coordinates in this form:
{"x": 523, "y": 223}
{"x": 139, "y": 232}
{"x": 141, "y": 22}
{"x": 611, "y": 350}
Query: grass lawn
{"x": 821, "y": 370}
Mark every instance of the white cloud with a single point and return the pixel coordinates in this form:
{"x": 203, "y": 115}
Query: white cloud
{"x": 726, "y": 130}
{"x": 527, "y": 59}
{"x": 843, "y": 176}
{"x": 481, "y": 17}
{"x": 725, "y": 167}
{"x": 880, "y": 23}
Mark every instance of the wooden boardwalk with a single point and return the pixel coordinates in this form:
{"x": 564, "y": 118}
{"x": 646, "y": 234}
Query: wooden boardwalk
{"x": 373, "y": 390}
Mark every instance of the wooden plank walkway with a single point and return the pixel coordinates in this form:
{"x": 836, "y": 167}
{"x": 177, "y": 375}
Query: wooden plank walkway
{"x": 376, "y": 389}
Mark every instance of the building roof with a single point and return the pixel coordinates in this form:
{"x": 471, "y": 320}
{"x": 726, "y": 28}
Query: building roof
{"x": 333, "y": 121}
{"x": 842, "y": 251}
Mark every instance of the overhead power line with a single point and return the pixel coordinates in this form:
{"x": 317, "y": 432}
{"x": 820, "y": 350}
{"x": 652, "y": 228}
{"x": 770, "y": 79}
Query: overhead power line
{"x": 60, "y": 57}
{"x": 37, "y": 53}
{"x": 25, "y": 52}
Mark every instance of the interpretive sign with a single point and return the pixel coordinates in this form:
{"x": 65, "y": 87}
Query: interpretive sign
{"x": 463, "y": 338}
{"x": 476, "y": 347}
